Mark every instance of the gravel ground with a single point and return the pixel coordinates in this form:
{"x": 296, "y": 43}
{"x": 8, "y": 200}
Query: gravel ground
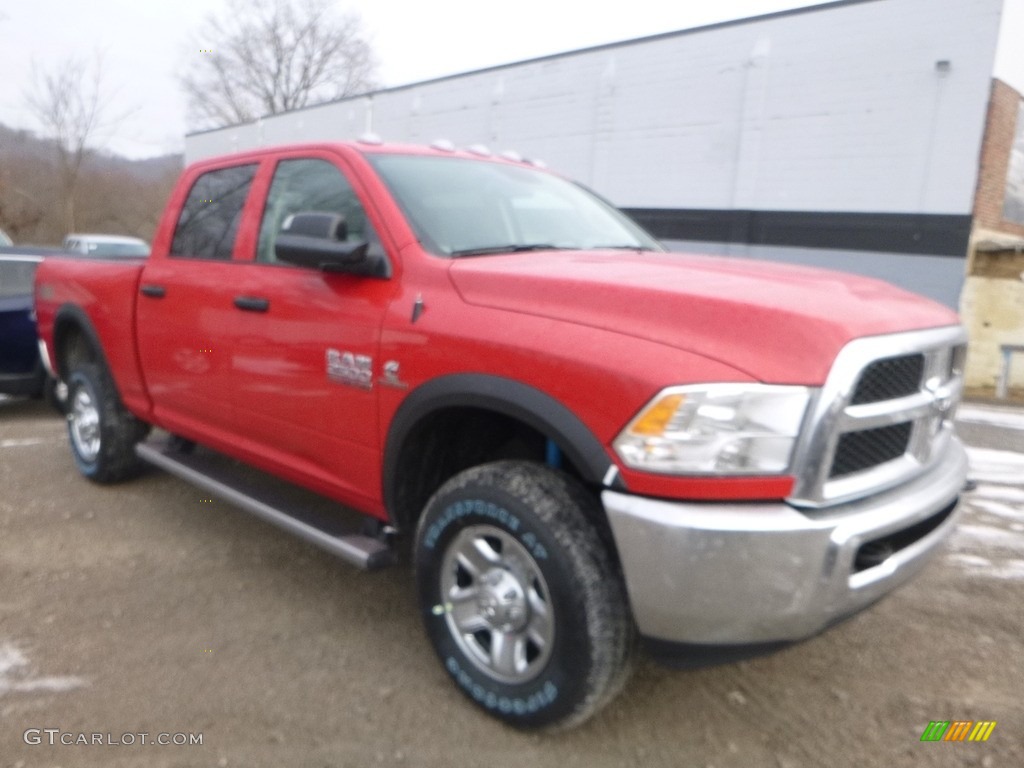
{"x": 147, "y": 608}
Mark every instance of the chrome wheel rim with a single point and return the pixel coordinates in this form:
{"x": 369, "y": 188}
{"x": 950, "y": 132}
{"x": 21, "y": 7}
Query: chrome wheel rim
{"x": 497, "y": 604}
{"x": 84, "y": 421}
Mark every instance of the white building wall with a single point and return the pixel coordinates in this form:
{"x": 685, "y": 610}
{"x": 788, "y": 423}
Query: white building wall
{"x": 840, "y": 109}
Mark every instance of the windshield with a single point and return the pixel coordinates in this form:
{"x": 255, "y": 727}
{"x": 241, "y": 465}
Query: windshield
{"x": 463, "y": 207}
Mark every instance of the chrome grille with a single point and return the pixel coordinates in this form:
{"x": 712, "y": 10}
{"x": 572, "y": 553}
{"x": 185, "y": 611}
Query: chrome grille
{"x": 888, "y": 379}
{"x": 883, "y": 416}
{"x": 857, "y": 451}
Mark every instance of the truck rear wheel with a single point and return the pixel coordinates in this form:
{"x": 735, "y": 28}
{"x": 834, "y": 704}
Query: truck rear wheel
{"x": 520, "y": 597}
{"x": 103, "y": 433}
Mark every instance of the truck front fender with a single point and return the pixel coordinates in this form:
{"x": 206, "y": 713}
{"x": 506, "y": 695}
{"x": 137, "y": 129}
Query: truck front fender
{"x": 506, "y": 397}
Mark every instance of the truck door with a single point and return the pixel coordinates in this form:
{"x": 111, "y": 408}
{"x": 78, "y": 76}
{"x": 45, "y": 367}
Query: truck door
{"x": 186, "y": 308}
{"x": 305, "y": 363}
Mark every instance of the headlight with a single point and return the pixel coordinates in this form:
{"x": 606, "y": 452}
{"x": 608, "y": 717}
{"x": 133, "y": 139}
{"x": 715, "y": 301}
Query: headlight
{"x": 717, "y": 429}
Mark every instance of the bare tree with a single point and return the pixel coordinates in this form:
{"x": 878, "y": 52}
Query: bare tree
{"x": 270, "y": 56}
{"x": 69, "y": 102}
{"x": 20, "y": 210}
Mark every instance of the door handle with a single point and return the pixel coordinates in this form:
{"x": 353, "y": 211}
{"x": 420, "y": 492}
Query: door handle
{"x": 252, "y": 303}
{"x": 153, "y": 291}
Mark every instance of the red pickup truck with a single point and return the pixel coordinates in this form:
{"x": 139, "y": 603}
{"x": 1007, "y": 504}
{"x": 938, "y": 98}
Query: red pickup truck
{"x": 584, "y": 438}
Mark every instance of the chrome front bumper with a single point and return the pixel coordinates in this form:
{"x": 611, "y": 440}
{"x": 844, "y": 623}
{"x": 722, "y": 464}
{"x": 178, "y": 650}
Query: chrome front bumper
{"x": 734, "y": 573}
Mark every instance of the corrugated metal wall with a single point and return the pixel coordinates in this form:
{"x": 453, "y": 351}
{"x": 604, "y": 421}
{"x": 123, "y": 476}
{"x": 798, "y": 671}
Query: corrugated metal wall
{"x": 866, "y": 106}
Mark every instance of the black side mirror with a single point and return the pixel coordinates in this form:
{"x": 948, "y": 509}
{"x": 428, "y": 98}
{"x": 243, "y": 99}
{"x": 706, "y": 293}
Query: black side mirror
{"x": 326, "y": 226}
{"x": 318, "y": 241}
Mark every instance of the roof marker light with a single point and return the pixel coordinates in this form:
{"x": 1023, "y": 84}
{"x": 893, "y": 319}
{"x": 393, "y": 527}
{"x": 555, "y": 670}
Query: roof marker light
{"x": 511, "y": 154}
{"x": 443, "y": 145}
{"x": 370, "y": 138}
{"x": 480, "y": 149}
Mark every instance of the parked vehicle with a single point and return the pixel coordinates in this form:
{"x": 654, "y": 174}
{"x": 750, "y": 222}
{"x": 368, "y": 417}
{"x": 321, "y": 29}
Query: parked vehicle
{"x": 582, "y": 436}
{"x": 106, "y": 245}
{"x": 21, "y": 368}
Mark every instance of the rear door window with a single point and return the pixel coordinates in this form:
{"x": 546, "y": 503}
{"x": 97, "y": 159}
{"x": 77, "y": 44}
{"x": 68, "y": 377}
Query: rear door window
{"x": 208, "y": 225}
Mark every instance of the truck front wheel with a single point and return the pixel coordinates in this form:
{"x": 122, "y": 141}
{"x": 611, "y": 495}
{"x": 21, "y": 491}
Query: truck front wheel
{"x": 520, "y": 597}
{"x": 103, "y": 433}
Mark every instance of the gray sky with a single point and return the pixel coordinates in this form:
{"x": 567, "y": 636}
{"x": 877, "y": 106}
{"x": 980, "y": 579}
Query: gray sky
{"x": 145, "y": 44}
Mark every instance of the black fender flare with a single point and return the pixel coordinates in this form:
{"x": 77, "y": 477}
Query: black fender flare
{"x": 507, "y": 397}
{"x": 72, "y": 315}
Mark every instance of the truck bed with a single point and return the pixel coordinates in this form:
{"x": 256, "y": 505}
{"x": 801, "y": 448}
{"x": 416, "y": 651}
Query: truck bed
{"x": 105, "y": 291}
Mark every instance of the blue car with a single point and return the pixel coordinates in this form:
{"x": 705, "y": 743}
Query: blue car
{"x": 21, "y": 368}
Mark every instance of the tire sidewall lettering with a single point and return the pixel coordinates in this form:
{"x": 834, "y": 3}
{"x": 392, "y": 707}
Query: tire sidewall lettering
{"x": 459, "y": 510}
{"x": 545, "y": 696}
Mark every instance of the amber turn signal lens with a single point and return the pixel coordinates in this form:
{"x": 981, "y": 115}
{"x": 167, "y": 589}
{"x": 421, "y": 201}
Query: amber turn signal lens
{"x": 654, "y": 420}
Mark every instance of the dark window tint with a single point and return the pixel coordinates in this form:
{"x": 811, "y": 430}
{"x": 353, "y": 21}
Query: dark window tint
{"x": 311, "y": 186}
{"x": 209, "y": 222}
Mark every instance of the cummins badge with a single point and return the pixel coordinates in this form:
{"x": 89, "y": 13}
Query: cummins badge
{"x": 348, "y": 368}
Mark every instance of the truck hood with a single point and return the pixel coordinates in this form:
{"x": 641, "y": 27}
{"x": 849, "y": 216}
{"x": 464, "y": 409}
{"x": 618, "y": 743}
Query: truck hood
{"x": 774, "y": 322}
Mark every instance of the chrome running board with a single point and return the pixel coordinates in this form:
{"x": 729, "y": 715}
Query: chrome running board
{"x": 233, "y": 483}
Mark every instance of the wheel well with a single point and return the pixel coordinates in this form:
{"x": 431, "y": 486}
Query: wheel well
{"x": 451, "y": 440}
{"x": 72, "y": 345}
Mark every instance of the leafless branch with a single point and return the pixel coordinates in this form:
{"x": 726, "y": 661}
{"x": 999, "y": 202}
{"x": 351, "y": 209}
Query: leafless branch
{"x": 269, "y": 56}
{"x": 70, "y": 103}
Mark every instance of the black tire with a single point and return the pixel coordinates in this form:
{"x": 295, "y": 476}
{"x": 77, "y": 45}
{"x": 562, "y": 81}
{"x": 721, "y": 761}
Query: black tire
{"x": 536, "y": 631}
{"x": 102, "y": 432}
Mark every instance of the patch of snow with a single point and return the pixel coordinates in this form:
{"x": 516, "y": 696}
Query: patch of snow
{"x": 999, "y": 417}
{"x": 56, "y": 684}
{"x": 972, "y": 561}
{"x": 14, "y": 675}
{"x": 10, "y": 659}
{"x": 1009, "y": 570}
{"x": 998, "y": 492}
{"x": 991, "y": 466}
{"x": 997, "y": 537}
{"x": 22, "y": 443}
{"x": 996, "y": 508}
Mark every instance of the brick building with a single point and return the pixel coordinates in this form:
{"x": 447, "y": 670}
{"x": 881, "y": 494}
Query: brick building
{"x": 992, "y": 301}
